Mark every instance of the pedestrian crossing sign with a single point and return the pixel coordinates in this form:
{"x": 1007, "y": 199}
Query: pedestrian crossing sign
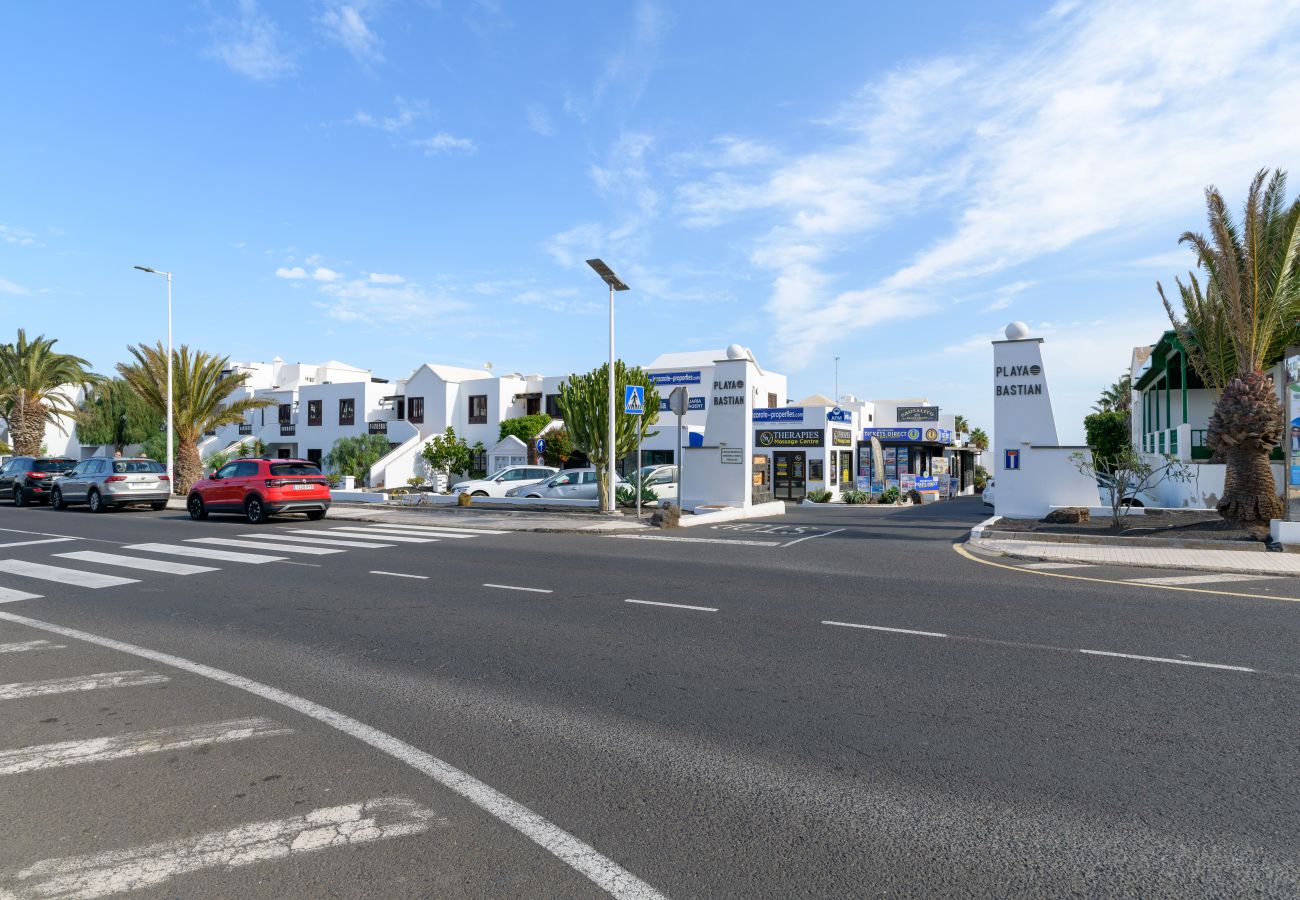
{"x": 633, "y": 400}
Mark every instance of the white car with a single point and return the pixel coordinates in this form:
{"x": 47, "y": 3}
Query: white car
{"x": 571, "y": 484}
{"x": 988, "y": 493}
{"x": 661, "y": 479}
{"x": 507, "y": 478}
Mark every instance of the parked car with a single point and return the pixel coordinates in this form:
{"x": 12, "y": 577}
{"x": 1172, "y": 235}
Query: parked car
{"x": 571, "y": 484}
{"x": 988, "y": 493}
{"x": 1129, "y": 493}
{"x": 103, "y": 484}
{"x": 509, "y": 477}
{"x": 661, "y": 479}
{"x": 28, "y": 479}
{"x": 260, "y": 488}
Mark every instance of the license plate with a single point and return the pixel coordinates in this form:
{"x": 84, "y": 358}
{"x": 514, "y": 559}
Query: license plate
{"x": 303, "y": 487}
{"x": 139, "y": 486}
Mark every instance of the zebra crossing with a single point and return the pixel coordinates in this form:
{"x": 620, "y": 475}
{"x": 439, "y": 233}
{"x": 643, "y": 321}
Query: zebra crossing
{"x": 130, "y": 563}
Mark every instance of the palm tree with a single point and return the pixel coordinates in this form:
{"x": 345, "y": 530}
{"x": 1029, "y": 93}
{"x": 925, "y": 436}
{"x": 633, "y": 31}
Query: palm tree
{"x": 1116, "y": 398}
{"x": 202, "y": 384}
{"x": 31, "y": 375}
{"x": 979, "y": 440}
{"x": 1241, "y": 323}
{"x": 960, "y": 425}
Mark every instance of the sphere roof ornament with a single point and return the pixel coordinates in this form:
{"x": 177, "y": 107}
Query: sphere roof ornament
{"x": 735, "y": 351}
{"x": 1017, "y": 331}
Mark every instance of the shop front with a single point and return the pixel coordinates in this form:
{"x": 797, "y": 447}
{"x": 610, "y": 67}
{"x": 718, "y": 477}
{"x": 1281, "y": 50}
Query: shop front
{"x": 910, "y": 458}
{"x": 801, "y": 459}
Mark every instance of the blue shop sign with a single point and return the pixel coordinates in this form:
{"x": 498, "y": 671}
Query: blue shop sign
{"x": 927, "y": 434}
{"x": 927, "y": 482}
{"x": 838, "y": 415}
{"x": 693, "y": 404}
{"x": 779, "y": 414}
{"x": 675, "y": 378}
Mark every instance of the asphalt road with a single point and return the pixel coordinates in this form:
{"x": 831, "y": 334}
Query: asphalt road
{"x": 702, "y": 715}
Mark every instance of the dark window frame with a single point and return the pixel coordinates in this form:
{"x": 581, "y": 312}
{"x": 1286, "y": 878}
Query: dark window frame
{"x": 314, "y": 412}
{"x": 415, "y": 410}
{"x": 350, "y": 416}
{"x": 479, "y": 418}
{"x": 286, "y": 413}
{"x": 553, "y": 406}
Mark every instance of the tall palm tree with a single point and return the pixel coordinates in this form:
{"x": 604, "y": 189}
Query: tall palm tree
{"x": 961, "y": 425}
{"x": 1116, "y": 398}
{"x": 979, "y": 439}
{"x": 31, "y": 375}
{"x": 1241, "y": 323}
{"x": 201, "y": 387}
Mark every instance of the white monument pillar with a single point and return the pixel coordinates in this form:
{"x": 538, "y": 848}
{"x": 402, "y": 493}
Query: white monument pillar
{"x": 718, "y": 473}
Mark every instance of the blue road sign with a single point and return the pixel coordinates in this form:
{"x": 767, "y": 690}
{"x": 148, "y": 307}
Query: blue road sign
{"x": 1012, "y": 460}
{"x": 634, "y": 400}
{"x": 541, "y": 445}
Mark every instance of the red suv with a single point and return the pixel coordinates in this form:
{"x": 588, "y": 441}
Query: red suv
{"x": 261, "y": 488}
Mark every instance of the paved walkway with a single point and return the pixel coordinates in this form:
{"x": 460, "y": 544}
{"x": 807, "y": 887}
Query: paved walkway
{"x": 505, "y": 520}
{"x": 1151, "y": 557}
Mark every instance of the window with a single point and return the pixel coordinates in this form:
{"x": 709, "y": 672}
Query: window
{"x": 347, "y": 411}
{"x": 588, "y": 477}
{"x": 771, "y": 401}
{"x": 286, "y": 413}
{"x": 314, "y": 456}
{"x": 245, "y": 469}
{"x": 415, "y": 410}
{"x": 567, "y": 478}
{"x": 553, "y": 406}
{"x": 294, "y": 468}
{"x": 313, "y": 412}
{"x": 137, "y": 466}
{"x": 94, "y": 467}
{"x": 227, "y": 471}
{"x": 478, "y": 409}
{"x": 478, "y": 461}
{"x": 53, "y": 465}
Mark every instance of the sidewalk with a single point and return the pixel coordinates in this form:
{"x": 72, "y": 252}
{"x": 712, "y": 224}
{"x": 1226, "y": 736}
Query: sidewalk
{"x": 1234, "y": 561}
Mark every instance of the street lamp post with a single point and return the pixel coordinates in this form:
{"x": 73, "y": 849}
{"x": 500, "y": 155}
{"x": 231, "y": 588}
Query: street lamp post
{"x": 171, "y": 478}
{"x": 607, "y": 275}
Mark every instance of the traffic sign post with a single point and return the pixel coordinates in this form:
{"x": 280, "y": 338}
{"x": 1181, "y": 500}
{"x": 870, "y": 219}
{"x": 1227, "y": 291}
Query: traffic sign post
{"x": 679, "y": 400}
{"x": 634, "y": 405}
{"x": 540, "y": 447}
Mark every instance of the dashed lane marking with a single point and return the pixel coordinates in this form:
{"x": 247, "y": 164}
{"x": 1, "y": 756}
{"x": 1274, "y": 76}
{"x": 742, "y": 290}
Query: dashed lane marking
{"x": 268, "y": 545}
{"x": 1165, "y": 659}
{"x": 399, "y": 575}
{"x": 134, "y": 678}
{"x": 74, "y": 577}
{"x": 9, "y": 595}
{"x": 158, "y": 740}
{"x": 302, "y": 537}
{"x": 205, "y": 553}
{"x": 419, "y": 528}
{"x": 691, "y": 540}
{"x": 102, "y": 874}
{"x": 395, "y": 538}
{"x": 22, "y": 646}
{"x": 579, "y": 855}
{"x": 57, "y": 540}
{"x": 515, "y": 587}
{"x": 809, "y": 537}
{"x": 1202, "y": 579}
{"x": 165, "y": 566}
{"x": 933, "y": 634}
{"x": 673, "y": 605}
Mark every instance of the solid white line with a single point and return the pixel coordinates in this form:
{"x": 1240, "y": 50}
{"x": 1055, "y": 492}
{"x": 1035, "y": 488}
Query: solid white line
{"x": 1161, "y": 659}
{"x": 258, "y": 545}
{"x": 399, "y": 574}
{"x": 159, "y": 740}
{"x": 9, "y": 595}
{"x": 691, "y": 540}
{"x": 811, "y": 536}
{"x": 418, "y": 528}
{"x": 133, "y": 678}
{"x": 1201, "y": 579}
{"x": 1057, "y": 565}
{"x": 20, "y": 646}
{"x": 938, "y": 634}
{"x": 135, "y": 562}
{"x": 303, "y": 539}
{"x": 674, "y": 605}
{"x": 511, "y": 587}
{"x": 395, "y": 538}
{"x": 204, "y": 553}
{"x": 43, "y": 541}
{"x": 582, "y": 857}
{"x": 117, "y": 871}
{"x": 74, "y": 577}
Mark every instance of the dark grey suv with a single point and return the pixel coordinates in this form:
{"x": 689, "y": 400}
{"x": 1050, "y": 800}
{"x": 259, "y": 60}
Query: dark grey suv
{"x": 28, "y": 479}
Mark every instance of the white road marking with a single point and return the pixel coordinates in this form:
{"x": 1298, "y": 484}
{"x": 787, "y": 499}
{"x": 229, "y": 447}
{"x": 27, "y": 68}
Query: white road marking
{"x": 811, "y": 536}
{"x": 71, "y": 537}
{"x": 937, "y": 634}
{"x": 204, "y": 553}
{"x": 511, "y": 587}
{"x": 1209, "y": 578}
{"x": 665, "y": 537}
{"x": 159, "y": 740}
{"x": 74, "y": 577}
{"x": 58, "y": 540}
{"x": 1162, "y": 659}
{"x": 581, "y": 856}
{"x": 133, "y": 678}
{"x": 268, "y": 545}
{"x": 135, "y": 562}
{"x": 20, "y": 646}
{"x": 395, "y": 538}
{"x": 1056, "y": 565}
{"x": 301, "y": 537}
{"x": 9, "y": 595}
{"x": 399, "y": 575}
{"x": 674, "y": 605}
{"x": 416, "y": 529}
{"x": 117, "y": 871}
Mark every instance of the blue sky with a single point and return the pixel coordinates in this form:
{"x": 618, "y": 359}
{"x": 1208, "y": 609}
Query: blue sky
{"x": 393, "y": 183}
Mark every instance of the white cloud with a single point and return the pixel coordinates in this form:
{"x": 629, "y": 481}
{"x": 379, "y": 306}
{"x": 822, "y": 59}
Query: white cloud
{"x": 9, "y": 287}
{"x": 381, "y": 278}
{"x": 627, "y": 71}
{"x": 1174, "y": 261}
{"x": 570, "y": 248}
{"x": 12, "y": 234}
{"x": 345, "y": 23}
{"x": 539, "y": 120}
{"x": 291, "y": 273}
{"x": 249, "y": 44}
{"x": 408, "y": 113}
{"x": 408, "y": 305}
{"x": 324, "y": 274}
{"x": 445, "y": 143}
{"x": 1006, "y": 295}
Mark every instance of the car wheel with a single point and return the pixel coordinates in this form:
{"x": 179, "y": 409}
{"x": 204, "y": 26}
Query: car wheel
{"x": 159, "y": 506}
{"x": 316, "y": 514}
{"x": 20, "y": 496}
{"x": 197, "y": 510}
{"x": 479, "y": 494}
{"x": 56, "y": 500}
{"x": 255, "y": 511}
{"x": 1131, "y": 503}
{"x": 95, "y": 502}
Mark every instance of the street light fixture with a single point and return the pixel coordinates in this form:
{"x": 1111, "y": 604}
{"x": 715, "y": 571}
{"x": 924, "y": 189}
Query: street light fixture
{"x": 615, "y": 284}
{"x": 170, "y": 475}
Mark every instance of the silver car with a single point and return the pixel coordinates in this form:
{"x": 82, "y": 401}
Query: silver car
{"x": 103, "y": 483}
{"x": 571, "y": 484}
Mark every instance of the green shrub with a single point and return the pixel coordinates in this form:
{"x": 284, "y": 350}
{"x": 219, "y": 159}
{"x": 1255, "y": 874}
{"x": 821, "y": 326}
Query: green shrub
{"x": 855, "y": 497}
{"x": 820, "y": 496}
{"x": 625, "y": 495}
{"x": 981, "y": 478}
{"x": 889, "y": 495}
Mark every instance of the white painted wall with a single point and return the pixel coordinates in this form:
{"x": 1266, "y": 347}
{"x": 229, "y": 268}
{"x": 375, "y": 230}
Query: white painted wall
{"x": 706, "y": 480}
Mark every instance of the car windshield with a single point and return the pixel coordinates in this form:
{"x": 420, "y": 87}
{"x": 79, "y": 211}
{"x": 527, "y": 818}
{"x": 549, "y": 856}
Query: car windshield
{"x": 137, "y": 466}
{"x": 52, "y": 465}
{"x": 294, "y": 468}
{"x": 643, "y": 472}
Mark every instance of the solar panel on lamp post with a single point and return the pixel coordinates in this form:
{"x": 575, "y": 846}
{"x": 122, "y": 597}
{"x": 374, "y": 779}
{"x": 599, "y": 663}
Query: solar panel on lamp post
{"x": 615, "y": 284}
{"x": 171, "y": 478}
